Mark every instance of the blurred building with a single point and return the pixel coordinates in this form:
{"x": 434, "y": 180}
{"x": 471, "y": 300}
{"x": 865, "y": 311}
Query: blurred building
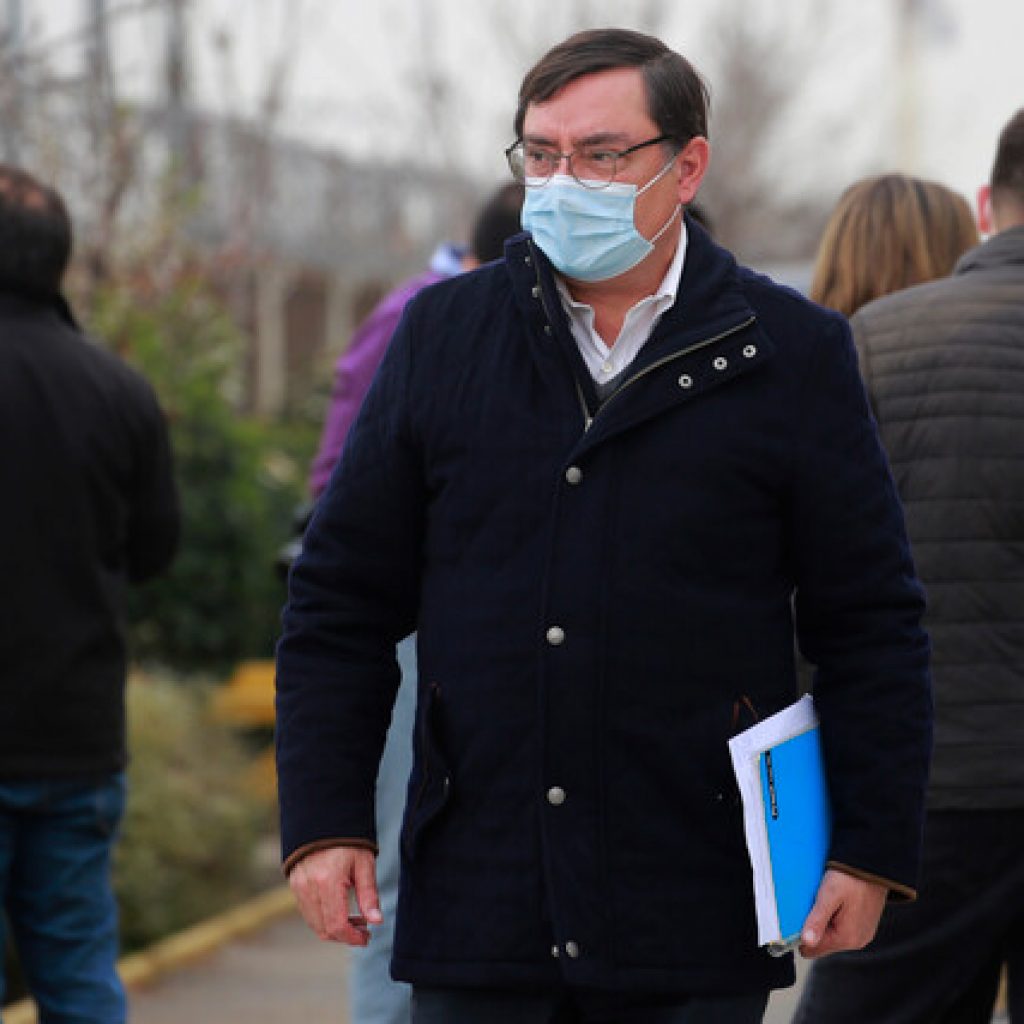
{"x": 299, "y": 239}
{"x": 319, "y": 236}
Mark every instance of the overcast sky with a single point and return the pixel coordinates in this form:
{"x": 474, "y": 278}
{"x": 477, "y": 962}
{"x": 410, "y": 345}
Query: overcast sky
{"x": 355, "y": 71}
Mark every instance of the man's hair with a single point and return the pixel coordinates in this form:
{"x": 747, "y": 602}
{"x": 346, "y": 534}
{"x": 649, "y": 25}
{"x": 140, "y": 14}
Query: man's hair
{"x": 888, "y": 233}
{"x": 677, "y": 96}
{"x": 1007, "y": 178}
{"x": 35, "y": 234}
{"x": 499, "y": 218}
{"x": 700, "y": 214}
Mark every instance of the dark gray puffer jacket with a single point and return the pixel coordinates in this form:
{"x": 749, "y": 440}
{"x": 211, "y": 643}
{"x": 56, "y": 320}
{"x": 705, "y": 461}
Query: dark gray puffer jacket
{"x": 944, "y": 366}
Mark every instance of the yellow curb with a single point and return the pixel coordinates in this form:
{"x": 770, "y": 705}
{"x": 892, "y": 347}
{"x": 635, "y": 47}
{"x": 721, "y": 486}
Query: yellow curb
{"x": 143, "y": 968}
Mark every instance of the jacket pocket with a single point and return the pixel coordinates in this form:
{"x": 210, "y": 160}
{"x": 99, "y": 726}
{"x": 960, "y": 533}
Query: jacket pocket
{"x": 433, "y": 790}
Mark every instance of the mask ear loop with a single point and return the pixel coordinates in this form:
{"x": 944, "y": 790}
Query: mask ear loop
{"x": 666, "y": 225}
{"x": 640, "y": 191}
{"x": 661, "y": 174}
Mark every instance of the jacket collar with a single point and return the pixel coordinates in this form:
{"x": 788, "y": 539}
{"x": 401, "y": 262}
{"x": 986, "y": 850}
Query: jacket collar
{"x": 1004, "y": 249}
{"x": 18, "y": 302}
{"x": 710, "y": 297}
{"x": 710, "y": 309}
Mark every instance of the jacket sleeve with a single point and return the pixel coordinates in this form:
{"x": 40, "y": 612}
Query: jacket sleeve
{"x": 352, "y": 596}
{"x": 858, "y": 610}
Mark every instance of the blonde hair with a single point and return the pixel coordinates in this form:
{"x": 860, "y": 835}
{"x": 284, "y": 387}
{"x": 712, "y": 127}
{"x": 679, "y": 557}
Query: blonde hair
{"x": 888, "y": 233}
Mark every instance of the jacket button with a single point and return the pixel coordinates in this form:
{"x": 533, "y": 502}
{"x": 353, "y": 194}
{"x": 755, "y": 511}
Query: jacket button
{"x": 720, "y": 363}
{"x": 749, "y": 351}
{"x": 574, "y": 474}
{"x": 535, "y": 291}
{"x": 556, "y": 796}
{"x": 556, "y": 952}
{"x": 686, "y": 381}
{"x": 572, "y": 950}
{"x": 547, "y": 330}
{"x": 556, "y": 636}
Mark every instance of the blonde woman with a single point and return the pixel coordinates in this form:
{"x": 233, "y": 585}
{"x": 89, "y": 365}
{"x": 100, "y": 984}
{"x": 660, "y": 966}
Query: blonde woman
{"x": 887, "y": 233}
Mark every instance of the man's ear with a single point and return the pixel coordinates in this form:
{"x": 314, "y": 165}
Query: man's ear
{"x": 985, "y": 225}
{"x": 691, "y": 166}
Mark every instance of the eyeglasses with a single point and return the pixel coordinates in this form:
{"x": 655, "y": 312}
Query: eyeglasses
{"x": 592, "y": 166}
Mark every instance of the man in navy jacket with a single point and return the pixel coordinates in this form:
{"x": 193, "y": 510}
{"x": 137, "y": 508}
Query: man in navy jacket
{"x": 601, "y": 478}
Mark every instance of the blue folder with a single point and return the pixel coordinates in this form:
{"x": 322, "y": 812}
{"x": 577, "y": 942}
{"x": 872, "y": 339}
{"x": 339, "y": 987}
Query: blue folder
{"x": 798, "y": 822}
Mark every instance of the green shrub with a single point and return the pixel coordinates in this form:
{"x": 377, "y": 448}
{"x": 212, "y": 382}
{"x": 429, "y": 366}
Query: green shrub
{"x": 239, "y": 480}
{"x": 193, "y": 822}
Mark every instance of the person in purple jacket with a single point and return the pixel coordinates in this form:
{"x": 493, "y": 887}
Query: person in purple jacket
{"x": 373, "y": 997}
{"x": 498, "y": 219}
{"x": 358, "y": 363}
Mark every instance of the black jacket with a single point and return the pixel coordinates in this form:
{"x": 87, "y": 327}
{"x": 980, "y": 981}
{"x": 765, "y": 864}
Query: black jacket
{"x": 594, "y": 599}
{"x": 88, "y": 505}
{"x": 944, "y": 365}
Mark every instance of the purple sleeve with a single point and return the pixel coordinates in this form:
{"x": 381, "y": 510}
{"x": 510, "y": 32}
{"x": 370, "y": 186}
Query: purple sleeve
{"x": 353, "y": 373}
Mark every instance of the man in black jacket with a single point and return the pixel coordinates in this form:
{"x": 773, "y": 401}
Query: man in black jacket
{"x": 597, "y": 477}
{"x": 944, "y": 364}
{"x": 89, "y": 506}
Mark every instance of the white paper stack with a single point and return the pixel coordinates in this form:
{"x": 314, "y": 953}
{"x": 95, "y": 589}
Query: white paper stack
{"x": 786, "y": 818}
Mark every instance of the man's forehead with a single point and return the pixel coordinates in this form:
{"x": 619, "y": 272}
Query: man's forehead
{"x": 606, "y": 106}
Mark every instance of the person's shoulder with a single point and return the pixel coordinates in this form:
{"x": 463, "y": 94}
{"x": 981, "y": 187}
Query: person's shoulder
{"x": 56, "y": 338}
{"x": 119, "y": 379}
{"x": 464, "y": 296}
{"x": 763, "y": 289}
{"x": 49, "y": 337}
{"x": 391, "y": 305}
{"x": 920, "y": 304}
{"x": 786, "y": 312}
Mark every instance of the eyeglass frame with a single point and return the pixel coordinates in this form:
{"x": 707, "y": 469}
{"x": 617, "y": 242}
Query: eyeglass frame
{"x": 567, "y": 157}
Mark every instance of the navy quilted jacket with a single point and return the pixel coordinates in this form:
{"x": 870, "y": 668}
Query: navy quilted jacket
{"x": 599, "y": 597}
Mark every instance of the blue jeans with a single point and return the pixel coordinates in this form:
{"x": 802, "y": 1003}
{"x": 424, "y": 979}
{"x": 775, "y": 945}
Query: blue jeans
{"x": 373, "y": 997}
{"x": 466, "y": 1006}
{"x": 56, "y": 840}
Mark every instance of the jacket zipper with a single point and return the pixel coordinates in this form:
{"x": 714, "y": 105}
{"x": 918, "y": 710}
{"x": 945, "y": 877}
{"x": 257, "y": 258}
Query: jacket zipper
{"x": 696, "y": 346}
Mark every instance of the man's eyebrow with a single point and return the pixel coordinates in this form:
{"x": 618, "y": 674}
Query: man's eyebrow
{"x": 603, "y": 138}
{"x": 594, "y": 139}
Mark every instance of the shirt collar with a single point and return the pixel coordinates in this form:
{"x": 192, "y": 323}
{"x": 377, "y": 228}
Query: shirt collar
{"x": 665, "y": 294}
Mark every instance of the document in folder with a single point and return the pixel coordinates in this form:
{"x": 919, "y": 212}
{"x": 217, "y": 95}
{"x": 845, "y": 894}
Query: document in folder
{"x": 786, "y": 818}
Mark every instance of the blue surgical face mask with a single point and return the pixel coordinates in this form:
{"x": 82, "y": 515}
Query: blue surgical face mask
{"x": 590, "y": 233}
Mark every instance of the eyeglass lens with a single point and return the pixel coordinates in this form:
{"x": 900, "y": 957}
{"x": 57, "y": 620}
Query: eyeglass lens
{"x": 589, "y": 165}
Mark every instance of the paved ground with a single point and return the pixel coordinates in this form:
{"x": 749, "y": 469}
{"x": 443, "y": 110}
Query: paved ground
{"x": 281, "y": 973}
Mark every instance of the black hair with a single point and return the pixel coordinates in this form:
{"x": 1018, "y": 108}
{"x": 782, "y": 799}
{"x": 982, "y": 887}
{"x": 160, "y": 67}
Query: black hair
{"x": 499, "y": 218}
{"x": 35, "y": 234}
{"x": 677, "y": 96}
{"x": 1007, "y": 178}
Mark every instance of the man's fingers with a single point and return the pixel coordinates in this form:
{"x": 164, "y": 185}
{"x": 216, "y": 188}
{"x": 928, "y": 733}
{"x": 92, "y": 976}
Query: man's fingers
{"x": 307, "y": 897}
{"x": 844, "y": 916}
{"x": 817, "y": 925}
{"x": 321, "y": 883}
{"x": 821, "y": 921}
{"x": 367, "y": 899}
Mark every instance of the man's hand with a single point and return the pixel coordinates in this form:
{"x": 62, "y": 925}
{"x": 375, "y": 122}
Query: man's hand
{"x": 844, "y": 916}
{"x": 321, "y": 883}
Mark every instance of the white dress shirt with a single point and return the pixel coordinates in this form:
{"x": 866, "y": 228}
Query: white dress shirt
{"x": 606, "y": 362}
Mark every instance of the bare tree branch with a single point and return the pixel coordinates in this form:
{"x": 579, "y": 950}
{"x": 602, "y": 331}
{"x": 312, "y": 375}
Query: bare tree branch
{"x": 41, "y": 53}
